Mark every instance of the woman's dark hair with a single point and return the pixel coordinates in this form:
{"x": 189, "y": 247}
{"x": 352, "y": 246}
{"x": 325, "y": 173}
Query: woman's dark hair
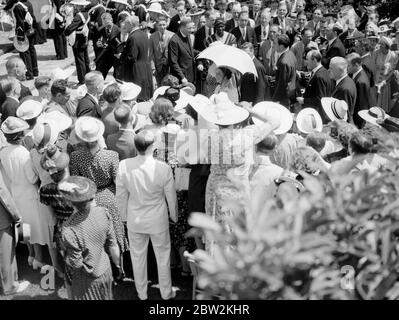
{"x": 161, "y": 111}
{"x": 14, "y": 138}
{"x": 112, "y": 93}
{"x": 191, "y": 112}
{"x": 227, "y": 72}
{"x": 170, "y": 81}
{"x": 31, "y": 122}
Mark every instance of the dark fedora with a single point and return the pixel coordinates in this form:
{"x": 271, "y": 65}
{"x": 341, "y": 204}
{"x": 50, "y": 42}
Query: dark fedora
{"x": 77, "y": 189}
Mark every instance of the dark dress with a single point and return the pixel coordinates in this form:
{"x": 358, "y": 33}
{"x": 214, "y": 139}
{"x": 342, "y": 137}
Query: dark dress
{"x": 87, "y": 237}
{"x": 101, "y": 168}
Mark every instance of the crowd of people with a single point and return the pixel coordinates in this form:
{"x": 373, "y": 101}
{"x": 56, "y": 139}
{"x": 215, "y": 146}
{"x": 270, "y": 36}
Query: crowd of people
{"x": 98, "y": 168}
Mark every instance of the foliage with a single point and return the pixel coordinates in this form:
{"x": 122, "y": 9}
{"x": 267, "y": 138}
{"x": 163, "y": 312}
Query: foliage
{"x": 309, "y": 247}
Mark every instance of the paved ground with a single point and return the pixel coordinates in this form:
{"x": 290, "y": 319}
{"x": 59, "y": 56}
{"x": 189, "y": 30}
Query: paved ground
{"x": 123, "y": 291}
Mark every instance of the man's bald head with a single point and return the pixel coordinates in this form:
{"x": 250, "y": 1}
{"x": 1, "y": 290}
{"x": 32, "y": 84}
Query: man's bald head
{"x": 338, "y": 67}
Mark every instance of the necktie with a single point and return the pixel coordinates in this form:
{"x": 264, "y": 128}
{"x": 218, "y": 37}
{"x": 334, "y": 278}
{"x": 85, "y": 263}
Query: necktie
{"x": 243, "y": 33}
{"x": 264, "y": 33}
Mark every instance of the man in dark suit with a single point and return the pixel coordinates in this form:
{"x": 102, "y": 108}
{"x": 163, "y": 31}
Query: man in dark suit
{"x": 175, "y": 20}
{"x": 253, "y": 89}
{"x": 204, "y": 32}
{"x": 345, "y": 88}
{"x": 135, "y": 62}
{"x": 233, "y": 22}
{"x": 12, "y": 90}
{"x": 365, "y": 50}
{"x": 109, "y": 44}
{"x": 182, "y": 54}
{"x": 24, "y": 27}
{"x": 281, "y": 19}
{"x": 88, "y": 105}
{"x": 286, "y": 73}
{"x": 256, "y": 12}
{"x": 123, "y": 140}
{"x": 262, "y": 30}
{"x": 57, "y": 33}
{"x": 350, "y": 36}
{"x": 16, "y": 69}
{"x": 335, "y": 47}
{"x": 319, "y": 85}
{"x": 96, "y": 24}
{"x": 244, "y": 34}
{"x": 362, "y": 83}
{"x": 79, "y": 25}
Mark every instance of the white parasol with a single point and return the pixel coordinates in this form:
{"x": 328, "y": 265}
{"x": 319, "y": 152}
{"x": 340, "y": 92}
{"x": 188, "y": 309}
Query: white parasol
{"x": 227, "y": 56}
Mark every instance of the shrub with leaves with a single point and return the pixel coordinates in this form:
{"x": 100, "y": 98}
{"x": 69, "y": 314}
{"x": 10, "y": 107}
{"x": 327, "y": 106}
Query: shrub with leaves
{"x": 335, "y": 240}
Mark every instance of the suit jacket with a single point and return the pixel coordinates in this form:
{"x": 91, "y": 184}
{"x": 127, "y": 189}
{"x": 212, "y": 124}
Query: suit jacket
{"x": 159, "y": 51}
{"x": 258, "y": 33}
{"x": 9, "y": 108}
{"x": 230, "y": 25}
{"x": 8, "y": 210}
{"x": 285, "y": 78}
{"x": 114, "y": 45}
{"x": 299, "y": 51}
{"x": 77, "y": 25}
{"x": 87, "y": 106}
{"x": 254, "y": 89}
{"x": 123, "y": 143}
{"x": 174, "y": 24}
{"x": 363, "y": 100}
{"x": 336, "y": 49}
{"x": 200, "y": 39}
{"x": 20, "y": 13}
{"x": 136, "y": 64}
{"x": 181, "y": 57}
{"x": 24, "y": 93}
{"x": 249, "y": 37}
{"x": 145, "y": 190}
{"x": 267, "y": 55}
{"x": 276, "y": 21}
{"x": 320, "y": 85}
{"x": 95, "y": 17}
{"x": 346, "y": 90}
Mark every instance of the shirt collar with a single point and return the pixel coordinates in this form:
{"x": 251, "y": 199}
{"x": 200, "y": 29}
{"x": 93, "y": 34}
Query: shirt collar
{"x": 357, "y": 72}
{"x": 95, "y": 99}
{"x": 13, "y": 98}
{"x": 316, "y": 69}
{"x": 366, "y": 55}
{"x": 286, "y": 50}
{"x": 340, "y": 79}
{"x": 331, "y": 41}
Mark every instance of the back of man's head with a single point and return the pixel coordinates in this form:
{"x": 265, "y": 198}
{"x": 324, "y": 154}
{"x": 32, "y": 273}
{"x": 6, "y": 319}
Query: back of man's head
{"x": 354, "y": 58}
{"x": 283, "y": 40}
{"x": 42, "y": 81}
{"x": 143, "y": 140}
{"x": 9, "y": 86}
{"x": 340, "y": 64}
{"x": 92, "y": 80}
{"x": 112, "y": 93}
{"x": 12, "y": 64}
{"x": 59, "y": 86}
{"x": 123, "y": 114}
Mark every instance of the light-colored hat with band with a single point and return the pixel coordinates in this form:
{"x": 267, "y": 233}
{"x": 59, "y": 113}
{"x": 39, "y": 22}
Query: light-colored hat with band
{"x": 45, "y": 134}
{"x": 308, "y": 120}
{"x": 14, "y": 125}
{"x": 335, "y": 109}
{"x": 62, "y": 121}
{"x": 80, "y": 2}
{"x": 275, "y": 111}
{"x": 89, "y": 129}
{"x": 130, "y": 91}
{"x": 29, "y": 109}
{"x": 373, "y": 114}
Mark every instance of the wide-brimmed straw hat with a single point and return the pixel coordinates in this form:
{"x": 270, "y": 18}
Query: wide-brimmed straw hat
{"x": 373, "y": 114}
{"x": 29, "y": 109}
{"x": 144, "y": 108}
{"x": 77, "y": 189}
{"x": 156, "y": 7}
{"x": 62, "y": 120}
{"x": 181, "y": 103}
{"x": 130, "y": 91}
{"x": 14, "y": 125}
{"x": 89, "y": 129}
{"x": 223, "y": 112}
{"x": 335, "y": 109}
{"x": 308, "y": 120}
{"x": 275, "y": 111}
{"x": 61, "y": 74}
{"x": 199, "y": 101}
{"x": 121, "y": 1}
{"x": 45, "y": 134}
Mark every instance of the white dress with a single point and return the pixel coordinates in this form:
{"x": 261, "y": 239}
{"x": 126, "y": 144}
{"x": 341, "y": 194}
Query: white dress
{"x": 17, "y": 165}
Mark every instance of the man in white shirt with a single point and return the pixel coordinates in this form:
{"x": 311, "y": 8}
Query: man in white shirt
{"x": 145, "y": 190}
{"x": 262, "y": 30}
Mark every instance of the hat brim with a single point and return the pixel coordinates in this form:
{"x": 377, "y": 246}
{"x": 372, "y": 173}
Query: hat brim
{"x": 16, "y": 130}
{"x": 199, "y": 101}
{"x": 62, "y": 121}
{"x": 83, "y": 197}
{"x": 78, "y": 3}
{"x": 44, "y": 22}
{"x": 78, "y": 131}
{"x": 365, "y": 116}
{"x": 326, "y": 104}
{"x": 230, "y": 117}
{"x": 37, "y": 110}
{"x": 285, "y": 116}
{"x": 301, "y": 115}
{"x": 54, "y": 132}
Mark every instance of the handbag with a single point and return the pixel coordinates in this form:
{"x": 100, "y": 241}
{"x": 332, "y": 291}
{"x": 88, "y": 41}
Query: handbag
{"x": 182, "y": 177}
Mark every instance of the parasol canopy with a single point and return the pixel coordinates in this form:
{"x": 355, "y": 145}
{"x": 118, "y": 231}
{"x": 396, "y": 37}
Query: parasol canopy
{"x": 231, "y": 57}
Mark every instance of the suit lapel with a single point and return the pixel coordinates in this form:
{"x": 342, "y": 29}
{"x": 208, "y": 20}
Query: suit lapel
{"x": 187, "y": 45}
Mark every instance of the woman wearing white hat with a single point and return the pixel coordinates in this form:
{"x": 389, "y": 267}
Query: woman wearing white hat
{"x": 229, "y": 179}
{"x": 100, "y": 165}
{"x": 18, "y": 168}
